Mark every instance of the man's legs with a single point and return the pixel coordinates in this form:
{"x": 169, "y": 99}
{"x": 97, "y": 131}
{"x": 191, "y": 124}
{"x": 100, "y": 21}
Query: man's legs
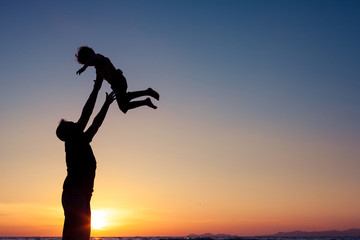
{"x": 77, "y": 223}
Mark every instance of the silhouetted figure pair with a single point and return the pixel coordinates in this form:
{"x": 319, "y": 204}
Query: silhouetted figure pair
{"x": 80, "y": 160}
{"x": 81, "y": 166}
{"x": 106, "y": 70}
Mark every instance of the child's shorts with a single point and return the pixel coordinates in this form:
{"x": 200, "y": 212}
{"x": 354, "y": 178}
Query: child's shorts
{"x": 119, "y": 86}
{"x": 118, "y": 81}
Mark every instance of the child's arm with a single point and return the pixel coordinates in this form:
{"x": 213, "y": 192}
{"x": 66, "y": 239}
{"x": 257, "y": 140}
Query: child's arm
{"x": 98, "y": 120}
{"x": 81, "y": 70}
{"x": 93, "y": 61}
{"x": 90, "y": 62}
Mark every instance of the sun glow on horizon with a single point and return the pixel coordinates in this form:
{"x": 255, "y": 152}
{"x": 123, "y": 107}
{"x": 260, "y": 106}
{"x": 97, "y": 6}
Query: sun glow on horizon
{"x": 98, "y": 219}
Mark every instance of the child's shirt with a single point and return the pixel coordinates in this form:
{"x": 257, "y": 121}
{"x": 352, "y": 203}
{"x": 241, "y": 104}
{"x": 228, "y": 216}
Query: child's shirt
{"x": 103, "y": 66}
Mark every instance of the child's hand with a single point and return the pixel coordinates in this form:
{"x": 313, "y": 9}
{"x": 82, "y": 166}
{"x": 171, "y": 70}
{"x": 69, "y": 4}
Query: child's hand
{"x": 110, "y": 97}
{"x": 80, "y": 71}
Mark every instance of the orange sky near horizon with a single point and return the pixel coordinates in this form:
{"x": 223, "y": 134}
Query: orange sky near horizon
{"x": 241, "y": 198}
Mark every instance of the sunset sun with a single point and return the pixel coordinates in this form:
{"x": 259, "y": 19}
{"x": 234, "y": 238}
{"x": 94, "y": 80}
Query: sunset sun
{"x": 98, "y": 219}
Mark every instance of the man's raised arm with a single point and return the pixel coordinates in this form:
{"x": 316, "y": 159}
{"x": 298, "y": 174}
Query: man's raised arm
{"x": 89, "y": 105}
{"x": 98, "y": 120}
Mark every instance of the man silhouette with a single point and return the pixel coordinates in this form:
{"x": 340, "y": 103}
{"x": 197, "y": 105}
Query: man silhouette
{"x": 81, "y": 166}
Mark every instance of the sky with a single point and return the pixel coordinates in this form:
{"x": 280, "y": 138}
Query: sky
{"x": 257, "y": 128}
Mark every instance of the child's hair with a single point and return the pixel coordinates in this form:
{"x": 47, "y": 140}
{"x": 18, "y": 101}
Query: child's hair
{"x": 83, "y": 54}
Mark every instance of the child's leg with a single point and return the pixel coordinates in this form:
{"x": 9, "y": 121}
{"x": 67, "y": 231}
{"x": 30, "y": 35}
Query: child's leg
{"x": 124, "y": 98}
{"x": 146, "y": 102}
{"x": 148, "y": 92}
{"x": 125, "y": 104}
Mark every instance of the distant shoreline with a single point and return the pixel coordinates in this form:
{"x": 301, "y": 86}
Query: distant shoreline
{"x": 333, "y": 234}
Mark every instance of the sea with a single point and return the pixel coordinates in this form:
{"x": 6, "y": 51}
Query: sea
{"x": 186, "y": 238}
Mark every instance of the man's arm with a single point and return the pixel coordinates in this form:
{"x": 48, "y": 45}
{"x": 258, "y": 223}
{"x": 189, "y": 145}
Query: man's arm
{"x": 89, "y": 105}
{"x": 98, "y": 120}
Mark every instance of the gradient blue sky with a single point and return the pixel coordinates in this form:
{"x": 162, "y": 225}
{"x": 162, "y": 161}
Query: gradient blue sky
{"x": 258, "y": 99}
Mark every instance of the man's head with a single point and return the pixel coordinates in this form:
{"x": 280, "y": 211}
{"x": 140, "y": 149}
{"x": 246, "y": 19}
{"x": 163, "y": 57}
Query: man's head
{"x": 64, "y": 130}
{"x": 83, "y": 54}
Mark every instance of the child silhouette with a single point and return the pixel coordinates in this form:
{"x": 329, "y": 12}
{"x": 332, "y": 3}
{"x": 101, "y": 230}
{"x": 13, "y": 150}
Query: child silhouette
{"x": 106, "y": 70}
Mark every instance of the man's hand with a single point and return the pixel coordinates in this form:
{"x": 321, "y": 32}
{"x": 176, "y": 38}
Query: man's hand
{"x": 98, "y": 83}
{"x": 110, "y": 97}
